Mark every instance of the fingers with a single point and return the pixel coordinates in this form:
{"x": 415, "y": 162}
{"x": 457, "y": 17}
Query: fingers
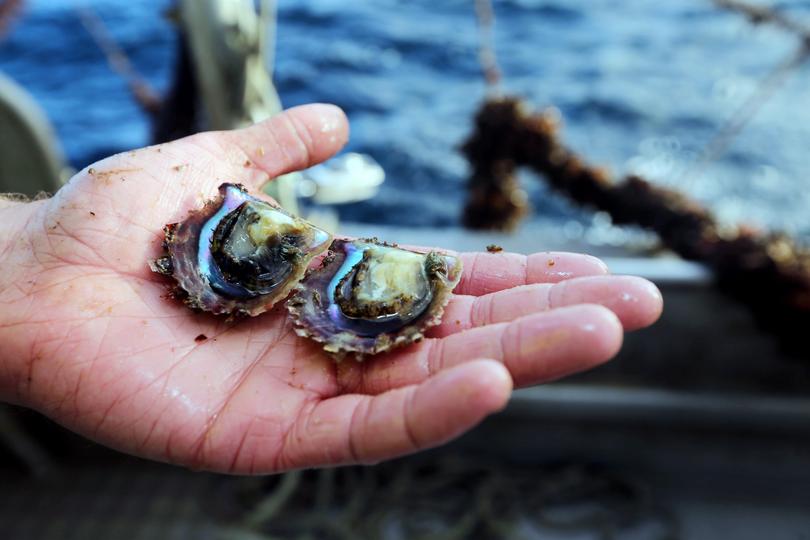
{"x": 636, "y": 302}
{"x": 293, "y": 140}
{"x": 535, "y": 348}
{"x": 490, "y": 272}
{"x": 366, "y": 429}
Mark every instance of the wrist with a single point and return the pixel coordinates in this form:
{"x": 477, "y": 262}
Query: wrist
{"x": 16, "y": 270}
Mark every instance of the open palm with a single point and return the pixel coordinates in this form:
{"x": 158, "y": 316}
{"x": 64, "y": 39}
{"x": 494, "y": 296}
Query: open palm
{"x": 92, "y": 341}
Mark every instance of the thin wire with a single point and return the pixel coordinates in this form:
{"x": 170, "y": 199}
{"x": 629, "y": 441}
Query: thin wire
{"x": 486, "y": 44}
{"x": 765, "y": 90}
{"x": 765, "y": 15}
{"x": 732, "y": 127}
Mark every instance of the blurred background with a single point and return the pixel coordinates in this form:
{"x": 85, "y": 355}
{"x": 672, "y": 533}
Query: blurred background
{"x": 699, "y": 429}
{"x": 642, "y": 86}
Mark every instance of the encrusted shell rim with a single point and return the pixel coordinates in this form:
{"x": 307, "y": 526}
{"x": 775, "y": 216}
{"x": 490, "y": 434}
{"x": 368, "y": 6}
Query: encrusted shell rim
{"x": 193, "y": 289}
{"x": 413, "y": 333}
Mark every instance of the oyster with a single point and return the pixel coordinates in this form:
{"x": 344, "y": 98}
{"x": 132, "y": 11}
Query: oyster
{"x": 368, "y": 297}
{"x": 238, "y": 255}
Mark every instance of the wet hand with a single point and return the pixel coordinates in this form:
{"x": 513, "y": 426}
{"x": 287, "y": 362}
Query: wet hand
{"x": 88, "y": 337}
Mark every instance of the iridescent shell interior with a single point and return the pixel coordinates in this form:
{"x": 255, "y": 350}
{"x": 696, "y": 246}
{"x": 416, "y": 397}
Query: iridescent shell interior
{"x": 238, "y": 255}
{"x": 368, "y": 297}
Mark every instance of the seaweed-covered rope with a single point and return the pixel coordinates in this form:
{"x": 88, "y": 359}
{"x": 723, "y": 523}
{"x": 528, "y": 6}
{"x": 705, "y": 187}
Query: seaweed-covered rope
{"x": 768, "y": 272}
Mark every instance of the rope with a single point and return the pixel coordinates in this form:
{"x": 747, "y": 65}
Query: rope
{"x": 270, "y": 506}
{"x": 764, "y": 91}
{"x": 452, "y": 498}
{"x": 486, "y": 47}
{"x": 765, "y": 15}
{"x": 735, "y": 124}
{"x": 119, "y": 62}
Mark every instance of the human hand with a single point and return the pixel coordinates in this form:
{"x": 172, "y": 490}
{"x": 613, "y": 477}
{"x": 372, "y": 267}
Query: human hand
{"x": 88, "y": 337}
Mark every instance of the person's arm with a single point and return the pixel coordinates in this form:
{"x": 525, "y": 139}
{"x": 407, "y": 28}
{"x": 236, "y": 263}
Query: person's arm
{"x": 89, "y": 338}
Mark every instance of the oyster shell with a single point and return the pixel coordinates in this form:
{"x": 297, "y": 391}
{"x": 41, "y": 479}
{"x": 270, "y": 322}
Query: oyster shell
{"x": 368, "y": 297}
{"x": 238, "y": 255}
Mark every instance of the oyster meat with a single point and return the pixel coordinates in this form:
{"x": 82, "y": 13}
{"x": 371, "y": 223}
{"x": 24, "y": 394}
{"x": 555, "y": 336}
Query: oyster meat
{"x": 368, "y": 297}
{"x": 238, "y": 255}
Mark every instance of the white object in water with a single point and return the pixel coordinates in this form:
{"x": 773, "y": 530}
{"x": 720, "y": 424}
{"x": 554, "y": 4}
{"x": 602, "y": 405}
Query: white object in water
{"x": 347, "y": 178}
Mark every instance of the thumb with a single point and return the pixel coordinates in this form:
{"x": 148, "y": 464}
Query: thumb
{"x": 292, "y": 140}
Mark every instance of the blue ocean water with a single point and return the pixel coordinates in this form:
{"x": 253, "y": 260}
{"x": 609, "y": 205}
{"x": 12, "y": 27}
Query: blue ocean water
{"x": 642, "y": 86}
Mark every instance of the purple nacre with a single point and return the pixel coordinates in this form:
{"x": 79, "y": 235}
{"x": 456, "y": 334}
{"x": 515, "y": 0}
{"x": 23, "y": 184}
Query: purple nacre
{"x": 426, "y": 281}
{"x": 238, "y": 255}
